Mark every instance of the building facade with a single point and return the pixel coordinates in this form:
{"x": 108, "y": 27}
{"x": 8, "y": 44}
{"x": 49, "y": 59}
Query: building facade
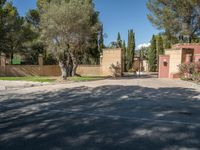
{"x": 178, "y": 54}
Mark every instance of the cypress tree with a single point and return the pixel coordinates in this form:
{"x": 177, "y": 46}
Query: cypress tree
{"x": 119, "y": 41}
{"x": 130, "y": 49}
{"x": 124, "y": 54}
{"x": 160, "y": 48}
{"x": 101, "y": 40}
{"x": 152, "y": 55}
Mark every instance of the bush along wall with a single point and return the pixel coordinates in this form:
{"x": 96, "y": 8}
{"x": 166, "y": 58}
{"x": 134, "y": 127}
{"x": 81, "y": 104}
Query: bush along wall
{"x": 190, "y": 71}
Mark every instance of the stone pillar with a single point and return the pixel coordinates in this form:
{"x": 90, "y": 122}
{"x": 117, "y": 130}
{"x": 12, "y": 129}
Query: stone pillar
{"x": 40, "y": 60}
{"x": 2, "y": 64}
{"x": 3, "y": 60}
{"x": 101, "y": 58}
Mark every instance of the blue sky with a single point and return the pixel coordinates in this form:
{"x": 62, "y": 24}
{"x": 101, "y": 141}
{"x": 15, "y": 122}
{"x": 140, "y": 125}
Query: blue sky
{"x": 116, "y": 15}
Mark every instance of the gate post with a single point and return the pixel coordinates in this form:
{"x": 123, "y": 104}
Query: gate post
{"x": 3, "y": 64}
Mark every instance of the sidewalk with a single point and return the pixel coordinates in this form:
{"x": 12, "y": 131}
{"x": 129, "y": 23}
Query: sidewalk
{"x": 14, "y": 85}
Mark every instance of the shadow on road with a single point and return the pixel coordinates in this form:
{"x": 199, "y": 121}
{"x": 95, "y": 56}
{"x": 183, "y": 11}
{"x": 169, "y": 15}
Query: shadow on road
{"x": 103, "y": 118}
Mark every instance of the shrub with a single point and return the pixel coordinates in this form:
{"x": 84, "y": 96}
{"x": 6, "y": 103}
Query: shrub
{"x": 196, "y": 77}
{"x": 197, "y": 67}
{"x": 190, "y": 71}
{"x": 186, "y": 68}
{"x": 116, "y": 70}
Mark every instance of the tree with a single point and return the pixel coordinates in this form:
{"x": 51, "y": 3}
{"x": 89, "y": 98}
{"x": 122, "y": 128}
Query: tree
{"x": 152, "y": 55}
{"x": 113, "y": 45}
{"x": 13, "y": 30}
{"x": 2, "y": 18}
{"x": 144, "y": 52}
{"x": 130, "y": 50}
{"x": 124, "y": 54}
{"x": 33, "y": 18}
{"x": 68, "y": 31}
{"x": 101, "y": 40}
{"x": 180, "y": 19}
{"x": 159, "y": 46}
{"x": 119, "y": 40}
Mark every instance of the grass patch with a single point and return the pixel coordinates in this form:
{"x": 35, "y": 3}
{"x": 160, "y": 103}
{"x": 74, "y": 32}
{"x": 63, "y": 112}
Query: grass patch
{"x": 30, "y": 78}
{"x": 85, "y": 78}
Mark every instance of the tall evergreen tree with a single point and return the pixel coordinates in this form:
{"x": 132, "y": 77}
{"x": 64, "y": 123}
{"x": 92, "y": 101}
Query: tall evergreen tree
{"x": 101, "y": 39}
{"x": 130, "y": 50}
{"x": 152, "y": 55}
{"x": 12, "y": 30}
{"x": 119, "y": 40}
{"x": 160, "y": 48}
{"x": 124, "y": 54}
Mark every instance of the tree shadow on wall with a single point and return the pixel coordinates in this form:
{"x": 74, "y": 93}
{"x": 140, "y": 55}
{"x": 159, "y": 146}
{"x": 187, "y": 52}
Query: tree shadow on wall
{"x": 102, "y": 118}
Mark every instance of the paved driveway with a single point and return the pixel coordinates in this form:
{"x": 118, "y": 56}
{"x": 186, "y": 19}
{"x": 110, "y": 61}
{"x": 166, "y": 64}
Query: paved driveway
{"x": 125, "y": 114}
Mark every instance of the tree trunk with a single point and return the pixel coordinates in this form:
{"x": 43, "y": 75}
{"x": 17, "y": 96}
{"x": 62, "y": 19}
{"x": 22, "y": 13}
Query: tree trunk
{"x": 75, "y": 64}
{"x": 63, "y": 70}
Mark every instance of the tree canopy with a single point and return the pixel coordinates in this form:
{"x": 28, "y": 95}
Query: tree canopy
{"x": 179, "y": 18}
{"x": 68, "y": 31}
{"x": 130, "y": 51}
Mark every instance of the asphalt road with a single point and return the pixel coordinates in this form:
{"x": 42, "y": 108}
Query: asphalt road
{"x": 124, "y": 114}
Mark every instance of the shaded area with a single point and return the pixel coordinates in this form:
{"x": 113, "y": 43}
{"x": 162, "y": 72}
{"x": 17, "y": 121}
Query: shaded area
{"x": 107, "y": 117}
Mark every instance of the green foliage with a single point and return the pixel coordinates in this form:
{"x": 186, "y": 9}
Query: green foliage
{"x": 119, "y": 40}
{"x": 101, "y": 40}
{"x": 190, "y": 71}
{"x": 152, "y": 55}
{"x": 116, "y": 70}
{"x": 33, "y": 18}
{"x": 70, "y": 30}
{"x": 130, "y": 50}
{"x": 30, "y": 78}
{"x": 50, "y": 60}
{"x": 124, "y": 54}
{"x": 11, "y": 29}
{"x": 144, "y": 52}
{"x": 160, "y": 48}
{"x": 196, "y": 77}
{"x": 113, "y": 45}
{"x": 186, "y": 68}
{"x": 180, "y": 19}
{"x": 16, "y": 32}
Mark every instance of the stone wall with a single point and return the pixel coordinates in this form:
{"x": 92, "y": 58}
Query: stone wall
{"x": 195, "y": 46}
{"x": 110, "y": 56}
{"x": 175, "y": 60}
{"x": 46, "y": 70}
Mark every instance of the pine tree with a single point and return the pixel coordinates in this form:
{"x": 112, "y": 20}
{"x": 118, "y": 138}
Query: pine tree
{"x": 152, "y": 55}
{"x": 119, "y": 41}
{"x": 130, "y": 49}
{"x": 180, "y": 18}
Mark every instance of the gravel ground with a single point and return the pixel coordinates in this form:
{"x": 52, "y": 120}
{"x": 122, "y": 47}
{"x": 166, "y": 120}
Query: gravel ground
{"x": 122, "y": 114}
